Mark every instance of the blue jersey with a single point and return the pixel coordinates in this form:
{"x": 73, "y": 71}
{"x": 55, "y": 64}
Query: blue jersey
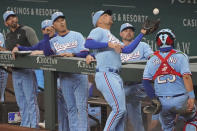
{"x": 107, "y": 57}
{"x": 42, "y": 45}
{"x": 168, "y": 85}
{"x": 73, "y": 42}
{"x": 2, "y": 41}
{"x": 141, "y": 52}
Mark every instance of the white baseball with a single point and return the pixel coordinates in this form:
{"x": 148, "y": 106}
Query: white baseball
{"x": 156, "y": 11}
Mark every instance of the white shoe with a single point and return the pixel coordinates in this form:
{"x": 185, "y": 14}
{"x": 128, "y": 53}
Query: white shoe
{"x": 42, "y": 125}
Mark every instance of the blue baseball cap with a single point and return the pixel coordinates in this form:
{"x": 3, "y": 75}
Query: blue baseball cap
{"x": 56, "y": 15}
{"x": 98, "y": 14}
{"x": 126, "y": 26}
{"x": 46, "y": 23}
{"x": 7, "y": 14}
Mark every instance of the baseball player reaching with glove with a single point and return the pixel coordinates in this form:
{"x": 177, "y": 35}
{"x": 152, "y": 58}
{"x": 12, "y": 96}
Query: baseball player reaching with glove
{"x": 107, "y": 48}
{"x": 134, "y": 91}
{"x": 173, "y": 89}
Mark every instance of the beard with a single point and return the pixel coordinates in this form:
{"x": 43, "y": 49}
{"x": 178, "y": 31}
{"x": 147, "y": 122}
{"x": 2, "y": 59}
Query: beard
{"x": 13, "y": 25}
{"x": 128, "y": 39}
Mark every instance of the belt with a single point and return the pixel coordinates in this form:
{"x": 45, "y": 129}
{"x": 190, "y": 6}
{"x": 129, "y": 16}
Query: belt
{"x": 129, "y": 83}
{"x": 108, "y": 70}
{"x": 172, "y": 96}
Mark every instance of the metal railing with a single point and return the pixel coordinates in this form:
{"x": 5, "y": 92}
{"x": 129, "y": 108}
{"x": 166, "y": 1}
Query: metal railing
{"x": 131, "y": 71}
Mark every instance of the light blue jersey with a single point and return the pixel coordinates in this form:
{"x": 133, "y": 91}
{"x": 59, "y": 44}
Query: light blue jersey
{"x": 141, "y": 52}
{"x": 135, "y": 92}
{"x": 73, "y": 42}
{"x": 74, "y": 87}
{"x": 2, "y": 42}
{"x": 106, "y": 58}
{"x": 168, "y": 85}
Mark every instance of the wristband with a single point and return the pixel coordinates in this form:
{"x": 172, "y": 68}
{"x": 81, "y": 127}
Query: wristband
{"x": 191, "y": 94}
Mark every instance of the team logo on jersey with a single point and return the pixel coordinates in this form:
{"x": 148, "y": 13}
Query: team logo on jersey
{"x": 126, "y": 57}
{"x": 65, "y": 46}
{"x": 18, "y": 36}
{"x": 165, "y": 67}
{"x": 112, "y": 38}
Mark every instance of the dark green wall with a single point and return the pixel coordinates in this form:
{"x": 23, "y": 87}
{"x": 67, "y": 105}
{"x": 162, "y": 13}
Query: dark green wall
{"x": 178, "y": 15}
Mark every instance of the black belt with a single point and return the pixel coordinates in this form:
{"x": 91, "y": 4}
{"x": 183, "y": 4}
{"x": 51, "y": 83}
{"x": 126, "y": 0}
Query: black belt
{"x": 128, "y": 83}
{"x": 109, "y": 70}
{"x": 173, "y": 96}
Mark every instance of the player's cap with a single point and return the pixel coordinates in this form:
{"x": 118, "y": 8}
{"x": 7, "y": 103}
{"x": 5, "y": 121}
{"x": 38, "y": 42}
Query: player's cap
{"x": 126, "y": 26}
{"x": 98, "y": 14}
{"x": 56, "y": 15}
{"x": 7, "y": 14}
{"x": 46, "y": 23}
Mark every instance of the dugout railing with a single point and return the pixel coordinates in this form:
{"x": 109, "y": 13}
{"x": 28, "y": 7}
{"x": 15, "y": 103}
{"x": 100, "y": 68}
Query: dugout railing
{"x": 131, "y": 71}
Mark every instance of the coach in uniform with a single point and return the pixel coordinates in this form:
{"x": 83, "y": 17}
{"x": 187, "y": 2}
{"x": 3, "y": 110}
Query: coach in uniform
{"x": 69, "y": 43}
{"x": 24, "y": 80}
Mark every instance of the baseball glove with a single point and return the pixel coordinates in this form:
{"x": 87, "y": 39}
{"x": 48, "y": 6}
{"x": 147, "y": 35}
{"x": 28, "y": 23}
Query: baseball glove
{"x": 154, "y": 108}
{"x": 150, "y": 26}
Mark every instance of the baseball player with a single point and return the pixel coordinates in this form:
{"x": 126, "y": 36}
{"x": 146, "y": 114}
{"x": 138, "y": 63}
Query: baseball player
{"x": 24, "y": 80}
{"x": 43, "y": 47}
{"x": 134, "y": 91}
{"x": 74, "y": 86}
{"x": 107, "y": 50}
{"x": 169, "y": 69}
{"x": 3, "y": 73}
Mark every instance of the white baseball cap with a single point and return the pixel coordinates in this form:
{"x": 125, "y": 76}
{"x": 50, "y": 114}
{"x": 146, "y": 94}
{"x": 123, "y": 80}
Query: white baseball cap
{"x": 125, "y": 26}
{"x": 7, "y": 14}
{"x": 56, "y": 15}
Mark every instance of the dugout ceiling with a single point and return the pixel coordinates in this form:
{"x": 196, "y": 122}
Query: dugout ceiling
{"x": 178, "y": 15}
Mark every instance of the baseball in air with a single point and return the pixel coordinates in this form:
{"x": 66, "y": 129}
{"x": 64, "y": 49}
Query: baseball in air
{"x": 156, "y": 11}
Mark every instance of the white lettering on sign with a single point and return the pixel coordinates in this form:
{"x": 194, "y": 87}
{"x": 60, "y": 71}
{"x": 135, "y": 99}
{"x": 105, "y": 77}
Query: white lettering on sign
{"x": 122, "y": 17}
{"x": 179, "y": 45}
{"x": 136, "y": 18}
{"x": 6, "y": 57}
{"x": 46, "y": 60}
{"x": 82, "y": 64}
{"x": 32, "y": 11}
{"x": 190, "y": 22}
{"x": 184, "y": 1}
